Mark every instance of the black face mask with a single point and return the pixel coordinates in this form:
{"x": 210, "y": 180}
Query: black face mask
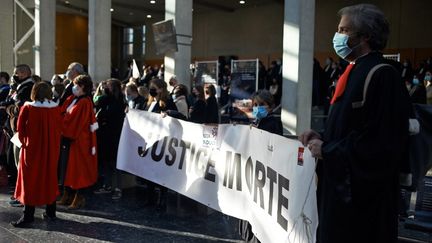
{"x": 153, "y": 92}
{"x": 18, "y": 80}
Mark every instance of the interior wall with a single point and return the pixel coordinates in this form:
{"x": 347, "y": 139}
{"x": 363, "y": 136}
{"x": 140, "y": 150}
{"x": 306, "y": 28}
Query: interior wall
{"x": 71, "y": 40}
{"x": 406, "y": 18}
{"x": 249, "y": 32}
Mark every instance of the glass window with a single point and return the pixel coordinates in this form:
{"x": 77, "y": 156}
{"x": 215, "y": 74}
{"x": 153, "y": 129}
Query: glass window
{"x": 143, "y": 39}
{"x": 128, "y": 36}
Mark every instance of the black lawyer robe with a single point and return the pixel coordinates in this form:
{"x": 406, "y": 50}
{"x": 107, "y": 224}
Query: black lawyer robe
{"x": 363, "y": 147}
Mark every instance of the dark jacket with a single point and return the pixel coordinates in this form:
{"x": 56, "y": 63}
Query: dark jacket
{"x": 170, "y": 105}
{"x": 212, "y": 110}
{"x": 4, "y": 91}
{"x": 66, "y": 93}
{"x": 271, "y": 124}
{"x": 110, "y": 113}
{"x": 418, "y": 94}
{"x": 362, "y": 151}
{"x": 198, "y": 112}
{"x": 139, "y": 103}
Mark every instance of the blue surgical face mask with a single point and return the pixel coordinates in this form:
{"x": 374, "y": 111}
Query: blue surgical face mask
{"x": 173, "y": 97}
{"x": 129, "y": 98}
{"x": 416, "y": 81}
{"x": 259, "y": 112}
{"x": 340, "y": 45}
{"x": 68, "y": 75}
{"x": 75, "y": 90}
{"x": 428, "y": 78}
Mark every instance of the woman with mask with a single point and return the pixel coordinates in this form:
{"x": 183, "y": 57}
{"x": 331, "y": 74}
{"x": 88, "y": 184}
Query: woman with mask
{"x": 179, "y": 97}
{"x": 197, "y": 111}
{"x": 133, "y": 98}
{"x": 111, "y": 110}
{"x": 417, "y": 91}
{"x": 79, "y": 127}
{"x": 212, "y": 107}
{"x": 158, "y": 102}
{"x": 263, "y": 104}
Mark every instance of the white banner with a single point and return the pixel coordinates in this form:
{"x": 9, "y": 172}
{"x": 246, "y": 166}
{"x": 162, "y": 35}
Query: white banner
{"x": 238, "y": 170}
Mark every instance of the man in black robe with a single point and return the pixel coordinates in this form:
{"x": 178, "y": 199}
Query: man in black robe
{"x": 362, "y": 147}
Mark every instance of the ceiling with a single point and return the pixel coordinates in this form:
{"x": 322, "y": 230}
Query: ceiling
{"x": 134, "y": 12}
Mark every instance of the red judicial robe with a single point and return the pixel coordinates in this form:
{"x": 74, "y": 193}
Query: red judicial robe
{"x": 39, "y": 130}
{"x": 79, "y": 125}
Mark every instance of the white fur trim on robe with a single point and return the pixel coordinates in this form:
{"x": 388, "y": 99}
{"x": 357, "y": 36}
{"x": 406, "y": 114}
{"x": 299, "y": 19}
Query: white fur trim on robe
{"x": 93, "y": 150}
{"x": 45, "y": 104}
{"x": 414, "y": 126}
{"x": 94, "y": 127}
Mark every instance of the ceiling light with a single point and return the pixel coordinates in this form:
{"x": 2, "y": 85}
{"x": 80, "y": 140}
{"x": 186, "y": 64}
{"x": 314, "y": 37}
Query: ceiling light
{"x": 152, "y": 1}
{"x": 67, "y": 2}
{"x": 148, "y": 16}
{"x": 112, "y": 10}
{"x": 242, "y": 2}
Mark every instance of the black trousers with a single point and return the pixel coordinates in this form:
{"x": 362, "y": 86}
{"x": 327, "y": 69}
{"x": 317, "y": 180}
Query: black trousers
{"x": 63, "y": 159}
{"x": 29, "y": 211}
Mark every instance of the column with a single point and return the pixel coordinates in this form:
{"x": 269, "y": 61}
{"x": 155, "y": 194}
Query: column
{"x": 178, "y": 63}
{"x": 297, "y": 69}
{"x": 6, "y": 37}
{"x": 45, "y": 23}
{"x": 99, "y": 60}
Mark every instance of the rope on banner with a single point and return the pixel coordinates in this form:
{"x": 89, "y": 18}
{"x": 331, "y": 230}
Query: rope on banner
{"x": 307, "y": 222}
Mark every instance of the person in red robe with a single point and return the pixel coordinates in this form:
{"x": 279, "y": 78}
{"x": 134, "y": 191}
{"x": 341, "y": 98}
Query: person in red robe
{"x": 39, "y": 131}
{"x": 79, "y": 127}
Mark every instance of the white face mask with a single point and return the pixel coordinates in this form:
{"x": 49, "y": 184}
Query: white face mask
{"x": 75, "y": 90}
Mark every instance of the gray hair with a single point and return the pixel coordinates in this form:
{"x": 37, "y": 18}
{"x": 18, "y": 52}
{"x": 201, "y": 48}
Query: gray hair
{"x": 369, "y": 21}
{"x": 264, "y": 95}
{"x": 77, "y": 67}
{"x": 23, "y": 68}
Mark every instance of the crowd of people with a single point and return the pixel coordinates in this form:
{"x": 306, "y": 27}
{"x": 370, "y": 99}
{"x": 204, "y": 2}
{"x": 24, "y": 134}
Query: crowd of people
{"x": 70, "y": 128}
{"x": 417, "y": 80}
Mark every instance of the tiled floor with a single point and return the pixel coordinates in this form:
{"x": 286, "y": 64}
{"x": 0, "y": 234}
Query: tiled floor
{"x": 129, "y": 220}
{"x": 125, "y": 220}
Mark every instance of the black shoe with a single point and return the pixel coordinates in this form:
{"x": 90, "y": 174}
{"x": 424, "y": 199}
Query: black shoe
{"x": 15, "y": 203}
{"x": 48, "y": 218}
{"x": 22, "y": 223}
